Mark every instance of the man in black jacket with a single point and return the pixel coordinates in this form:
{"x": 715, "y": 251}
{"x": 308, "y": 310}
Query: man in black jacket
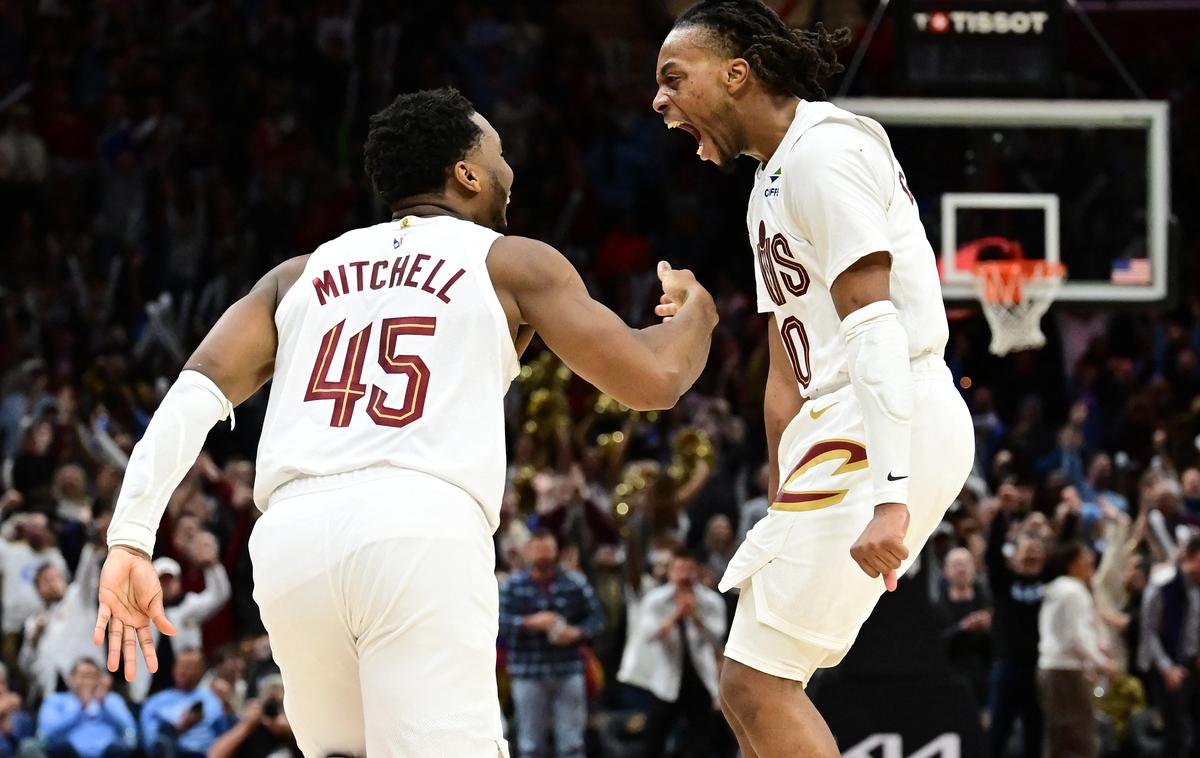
{"x": 1170, "y": 651}
{"x": 1016, "y": 586}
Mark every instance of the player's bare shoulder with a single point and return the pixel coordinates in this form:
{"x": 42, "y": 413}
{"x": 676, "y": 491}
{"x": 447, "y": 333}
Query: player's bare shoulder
{"x": 281, "y": 278}
{"x": 521, "y": 267}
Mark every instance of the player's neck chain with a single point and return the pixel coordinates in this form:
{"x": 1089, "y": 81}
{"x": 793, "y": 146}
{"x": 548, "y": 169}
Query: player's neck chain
{"x": 424, "y": 209}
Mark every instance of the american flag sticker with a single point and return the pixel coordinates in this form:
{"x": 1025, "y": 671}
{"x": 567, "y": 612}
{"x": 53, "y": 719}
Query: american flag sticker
{"x": 1131, "y": 271}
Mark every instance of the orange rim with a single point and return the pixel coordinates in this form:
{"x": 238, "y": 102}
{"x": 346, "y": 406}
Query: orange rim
{"x": 1003, "y": 280}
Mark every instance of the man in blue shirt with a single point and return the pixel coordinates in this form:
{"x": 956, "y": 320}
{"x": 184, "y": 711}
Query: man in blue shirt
{"x": 184, "y": 721}
{"x": 88, "y": 721}
{"x": 546, "y": 614}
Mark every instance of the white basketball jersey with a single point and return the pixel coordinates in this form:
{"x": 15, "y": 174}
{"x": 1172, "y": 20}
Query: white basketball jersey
{"x": 394, "y": 350}
{"x": 832, "y": 193}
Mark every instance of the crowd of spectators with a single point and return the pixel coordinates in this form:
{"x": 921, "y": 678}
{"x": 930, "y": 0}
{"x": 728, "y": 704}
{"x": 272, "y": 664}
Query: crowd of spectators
{"x": 156, "y": 158}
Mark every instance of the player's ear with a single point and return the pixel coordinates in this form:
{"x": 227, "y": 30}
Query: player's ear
{"x": 737, "y": 75}
{"x": 469, "y": 176}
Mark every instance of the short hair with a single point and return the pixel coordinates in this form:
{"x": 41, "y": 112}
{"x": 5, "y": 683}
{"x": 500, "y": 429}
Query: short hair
{"x": 787, "y": 60}
{"x": 46, "y": 566}
{"x": 86, "y": 660}
{"x": 413, "y": 143}
{"x": 227, "y": 652}
{"x": 1064, "y": 555}
{"x": 685, "y": 553}
{"x": 543, "y": 533}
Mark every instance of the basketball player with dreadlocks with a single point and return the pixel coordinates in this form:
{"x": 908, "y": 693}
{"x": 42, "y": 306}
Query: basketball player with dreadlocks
{"x": 869, "y": 439}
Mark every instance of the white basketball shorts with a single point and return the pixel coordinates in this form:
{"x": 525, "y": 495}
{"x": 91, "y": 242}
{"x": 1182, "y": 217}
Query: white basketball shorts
{"x": 803, "y": 598}
{"x": 378, "y": 593}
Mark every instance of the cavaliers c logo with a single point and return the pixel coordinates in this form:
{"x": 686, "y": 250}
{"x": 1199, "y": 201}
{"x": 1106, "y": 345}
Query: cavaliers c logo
{"x": 853, "y": 456}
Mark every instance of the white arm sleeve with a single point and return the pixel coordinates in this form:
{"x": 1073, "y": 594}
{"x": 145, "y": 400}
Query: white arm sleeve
{"x": 165, "y": 453}
{"x": 877, "y": 348}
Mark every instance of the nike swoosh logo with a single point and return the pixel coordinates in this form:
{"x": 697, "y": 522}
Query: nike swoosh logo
{"x": 816, "y": 414}
{"x": 891, "y": 478}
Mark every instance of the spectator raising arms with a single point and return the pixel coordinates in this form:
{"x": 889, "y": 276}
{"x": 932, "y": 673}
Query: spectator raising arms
{"x": 1017, "y": 585}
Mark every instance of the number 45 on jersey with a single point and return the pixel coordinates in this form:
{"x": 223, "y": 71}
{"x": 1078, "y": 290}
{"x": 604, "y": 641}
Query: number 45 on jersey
{"x": 348, "y": 389}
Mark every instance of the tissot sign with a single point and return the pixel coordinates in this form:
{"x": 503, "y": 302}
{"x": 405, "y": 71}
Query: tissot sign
{"x": 981, "y": 22}
{"x": 975, "y": 47}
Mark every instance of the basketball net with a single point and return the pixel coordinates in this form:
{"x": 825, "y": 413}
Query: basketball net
{"x": 1015, "y": 294}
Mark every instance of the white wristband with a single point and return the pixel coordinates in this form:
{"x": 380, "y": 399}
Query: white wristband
{"x": 160, "y": 460}
{"x": 881, "y": 373}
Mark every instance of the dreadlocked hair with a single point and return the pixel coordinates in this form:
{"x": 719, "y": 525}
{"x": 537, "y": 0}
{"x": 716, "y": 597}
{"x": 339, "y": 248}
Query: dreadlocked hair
{"x": 786, "y": 60}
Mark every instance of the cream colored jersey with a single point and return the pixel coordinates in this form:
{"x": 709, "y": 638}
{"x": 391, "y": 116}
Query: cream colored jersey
{"x": 393, "y": 350}
{"x": 832, "y": 193}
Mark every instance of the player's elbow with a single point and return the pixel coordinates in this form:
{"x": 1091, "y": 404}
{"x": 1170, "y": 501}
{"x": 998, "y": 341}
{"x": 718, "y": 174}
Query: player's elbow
{"x": 659, "y": 391}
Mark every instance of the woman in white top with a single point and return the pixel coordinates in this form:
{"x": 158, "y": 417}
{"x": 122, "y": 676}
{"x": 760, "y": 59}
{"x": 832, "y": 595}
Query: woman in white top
{"x": 1069, "y": 653}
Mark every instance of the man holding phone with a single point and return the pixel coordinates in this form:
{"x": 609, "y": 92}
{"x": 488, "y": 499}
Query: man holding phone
{"x": 183, "y": 721}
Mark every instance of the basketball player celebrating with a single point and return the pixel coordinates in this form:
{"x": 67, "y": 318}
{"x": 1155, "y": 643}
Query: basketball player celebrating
{"x": 381, "y": 462}
{"x": 869, "y": 439}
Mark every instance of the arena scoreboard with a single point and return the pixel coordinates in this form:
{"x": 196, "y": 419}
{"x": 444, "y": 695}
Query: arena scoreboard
{"x": 979, "y": 47}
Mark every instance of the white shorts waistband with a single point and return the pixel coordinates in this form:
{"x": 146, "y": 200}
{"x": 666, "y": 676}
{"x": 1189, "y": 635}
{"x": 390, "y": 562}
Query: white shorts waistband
{"x": 307, "y": 484}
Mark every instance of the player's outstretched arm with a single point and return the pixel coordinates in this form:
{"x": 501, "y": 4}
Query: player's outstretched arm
{"x": 231, "y": 363}
{"x": 877, "y": 356}
{"x": 646, "y": 369}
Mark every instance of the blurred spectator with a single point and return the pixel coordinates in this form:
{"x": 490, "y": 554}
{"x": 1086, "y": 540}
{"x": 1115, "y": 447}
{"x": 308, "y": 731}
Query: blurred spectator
{"x": 185, "y": 720}
{"x": 227, "y": 677}
{"x": 263, "y": 729}
{"x": 1115, "y": 583}
{"x": 187, "y": 610}
{"x": 89, "y": 721}
{"x": 1191, "y": 490}
{"x": 546, "y": 615}
{"x": 15, "y": 724}
{"x": 719, "y": 545}
{"x": 1068, "y": 654}
{"x": 969, "y": 610}
{"x": 1170, "y": 650}
{"x": 26, "y": 546}
{"x": 754, "y": 509}
{"x": 60, "y": 634}
{"x": 1017, "y": 586}
{"x": 22, "y": 152}
{"x": 1099, "y": 487}
{"x": 673, "y": 652}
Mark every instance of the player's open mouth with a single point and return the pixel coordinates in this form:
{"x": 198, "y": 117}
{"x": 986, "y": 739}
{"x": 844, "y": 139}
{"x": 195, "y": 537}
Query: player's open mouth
{"x": 696, "y": 135}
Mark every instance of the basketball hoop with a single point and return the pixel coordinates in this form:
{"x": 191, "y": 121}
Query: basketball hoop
{"x": 1015, "y": 294}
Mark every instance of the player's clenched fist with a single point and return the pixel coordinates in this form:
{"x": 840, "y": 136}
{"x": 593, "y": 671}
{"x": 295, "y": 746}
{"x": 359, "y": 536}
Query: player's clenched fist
{"x": 880, "y": 549}
{"x": 677, "y": 284}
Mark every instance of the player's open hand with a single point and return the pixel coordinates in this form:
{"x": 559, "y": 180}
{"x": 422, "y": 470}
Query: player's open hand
{"x": 880, "y": 549}
{"x": 130, "y": 599}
